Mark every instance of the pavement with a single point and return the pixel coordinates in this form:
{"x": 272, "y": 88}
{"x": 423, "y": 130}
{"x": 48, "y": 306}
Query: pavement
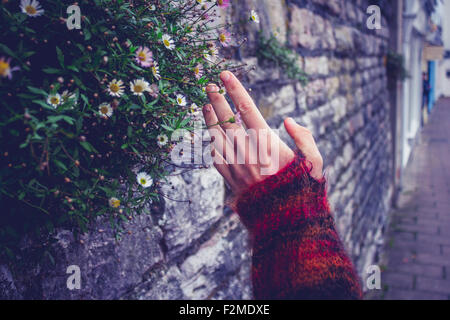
{"x": 417, "y": 249}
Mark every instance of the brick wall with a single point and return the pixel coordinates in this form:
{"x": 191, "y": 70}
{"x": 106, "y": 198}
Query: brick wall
{"x": 200, "y": 250}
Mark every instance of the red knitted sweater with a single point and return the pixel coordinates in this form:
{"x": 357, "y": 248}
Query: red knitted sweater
{"x": 297, "y": 253}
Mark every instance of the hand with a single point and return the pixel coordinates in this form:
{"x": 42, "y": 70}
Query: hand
{"x": 245, "y": 156}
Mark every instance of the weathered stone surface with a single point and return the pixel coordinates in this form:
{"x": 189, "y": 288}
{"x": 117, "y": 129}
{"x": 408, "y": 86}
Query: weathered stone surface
{"x": 108, "y": 267}
{"x": 309, "y": 30}
{"x": 344, "y": 38}
{"x": 200, "y": 250}
{"x": 184, "y": 222}
{"x": 277, "y": 101}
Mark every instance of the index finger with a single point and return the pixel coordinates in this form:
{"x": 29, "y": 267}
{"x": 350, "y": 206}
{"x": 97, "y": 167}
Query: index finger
{"x": 250, "y": 114}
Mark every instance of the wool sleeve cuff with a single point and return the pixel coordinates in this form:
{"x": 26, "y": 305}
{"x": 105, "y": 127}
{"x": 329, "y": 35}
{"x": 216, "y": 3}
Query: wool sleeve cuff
{"x": 284, "y": 198}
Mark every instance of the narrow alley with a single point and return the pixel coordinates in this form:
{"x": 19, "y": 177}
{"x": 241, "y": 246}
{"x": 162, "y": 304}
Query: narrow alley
{"x": 418, "y": 244}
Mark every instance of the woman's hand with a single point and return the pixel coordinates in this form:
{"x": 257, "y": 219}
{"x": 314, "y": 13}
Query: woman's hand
{"x": 245, "y": 156}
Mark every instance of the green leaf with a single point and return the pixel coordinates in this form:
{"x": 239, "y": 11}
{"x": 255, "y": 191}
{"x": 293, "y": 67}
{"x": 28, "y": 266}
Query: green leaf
{"x": 51, "y": 70}
{"x": 87, "y": 34}
{"x": 85, "y": 99}
{"x": 60, "y": 56}
{"x": 86, "y": 145}
{"x": 60, "y": 164}
{"x": 43, "y": 104}
{"x": 37, "y": 91}
{"x": 54, "y": 119}
{"x": 8, "y": 51}
{"x": 167, "y": 128}
{"x": 73, "y": 68}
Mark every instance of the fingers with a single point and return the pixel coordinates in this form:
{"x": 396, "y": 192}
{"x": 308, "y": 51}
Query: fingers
{"x": 221, "y": 165}
{"x": 243, "y": 102}
{"x": 221, "y": 107}
{"x": 215, "y": 131}
{"x": 299, "y": 134}
{"x": 305, "y": 142}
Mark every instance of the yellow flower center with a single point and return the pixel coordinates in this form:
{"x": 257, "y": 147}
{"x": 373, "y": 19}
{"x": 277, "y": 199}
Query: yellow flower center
{"x": 4, "y": 68}
{"x": 142, "y": 56}
{"x": 166, "y": 43}
{"x": 180, "y": 100}
{"x": 30, "y": 10}
{"x": 54, "y": 100}
{"x": 155, "y": 71}
{"x": 114, "y": 87}
{"x": 104, "y": 110}
{"x": 143, "y": 181}
{"x": 115, "y": 203}
{"x": 222, "y": 37}
{"x": 138, "y": 88}
{"x": 220, "y": 2}
{"x": 196, "y": 70}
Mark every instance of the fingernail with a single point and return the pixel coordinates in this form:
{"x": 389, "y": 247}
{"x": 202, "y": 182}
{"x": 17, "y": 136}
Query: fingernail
{"x": 225, "y": 76}
{"x": 290, "y": 120}
{"x": 211, "y": 88}
{"x": 207, "y": 108}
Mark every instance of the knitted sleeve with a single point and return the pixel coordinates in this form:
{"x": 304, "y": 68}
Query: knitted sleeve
{"x": 297, "y": 253}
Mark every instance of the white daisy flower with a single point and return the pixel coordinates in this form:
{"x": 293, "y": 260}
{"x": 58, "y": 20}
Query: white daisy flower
{"x": 155, "y": 71}
{"x": 5, "y": 68}
{"x": 162, "y": 140}
{"x": 181, "y": 100}
{"x": 254, "y": 16}
{"x": 225, "y": 37}
{"x": 105, "y": 110}
{"x": 144, "y": 179}
{"x": 31, "y": 8}
{"x": 198, "y": 71}
{"x": 67, "y": 96}
{"x": 54, "y": 100}
{"x": 193, "y": 109}
{"x": 114, "y": 202}
{"x": 168, "y": 42}
{"x": 223, "y": 91}
{"x": 211, "y": 53}
{"x": 154, "y": 90}
{"x": 139, "y": 87}
{"x": 152, "y": 7}
{"x": 116, "y": 88}
{"x": 144, "y": 56}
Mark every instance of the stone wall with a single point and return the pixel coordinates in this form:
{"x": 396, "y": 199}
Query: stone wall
{"x": 345, "y": 105}
{"x": 200, "y": 250}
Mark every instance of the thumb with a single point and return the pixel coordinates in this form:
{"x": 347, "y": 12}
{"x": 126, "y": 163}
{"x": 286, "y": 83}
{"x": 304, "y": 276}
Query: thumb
{"x": 305, "y": 143}
{"x": 301, "y": 135}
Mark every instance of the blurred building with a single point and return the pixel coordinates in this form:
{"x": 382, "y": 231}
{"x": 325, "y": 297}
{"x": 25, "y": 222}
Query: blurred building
{"x": 443, "y": 66}
{"x": 416, "y": 34}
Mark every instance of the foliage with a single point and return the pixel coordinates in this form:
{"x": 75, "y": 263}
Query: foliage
{"x": 395, "y": 64}
{"x": 66, "y": 162}
{"x": 271, "y": 50}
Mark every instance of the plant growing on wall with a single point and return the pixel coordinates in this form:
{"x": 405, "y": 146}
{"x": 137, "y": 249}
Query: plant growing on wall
{"x": 87, "y": 114}
{"x": 395, "y": 64}
{"x": 272, "y": 51}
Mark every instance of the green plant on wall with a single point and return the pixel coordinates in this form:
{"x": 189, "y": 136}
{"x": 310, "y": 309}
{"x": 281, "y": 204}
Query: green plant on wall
{"x": 272, "y": 51}
{"x": 395, "y": 64}
{"x": 87, "y": 115}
